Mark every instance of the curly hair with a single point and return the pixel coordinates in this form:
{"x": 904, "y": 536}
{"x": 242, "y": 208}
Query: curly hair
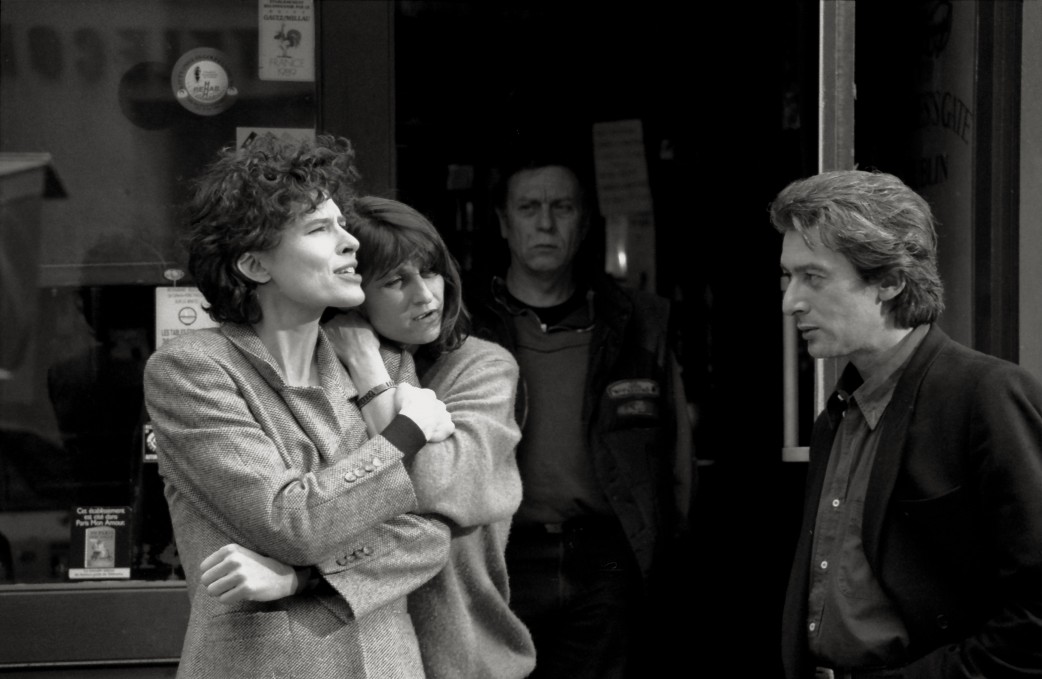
{"x": 242, "y": 201}
{"x": 391, "y": 233}
{"x": 878, "y": 223}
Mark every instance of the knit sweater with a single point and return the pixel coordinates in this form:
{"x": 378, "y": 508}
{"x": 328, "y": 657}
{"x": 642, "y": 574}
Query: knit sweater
{"x": 462, "y": 616}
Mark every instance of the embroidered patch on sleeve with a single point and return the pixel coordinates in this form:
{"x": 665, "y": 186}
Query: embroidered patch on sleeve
{"x": 637, "y": 388}
{"x": 635, "y": 398}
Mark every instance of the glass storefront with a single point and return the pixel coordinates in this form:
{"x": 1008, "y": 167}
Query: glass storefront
{"x": 107, "y": 109}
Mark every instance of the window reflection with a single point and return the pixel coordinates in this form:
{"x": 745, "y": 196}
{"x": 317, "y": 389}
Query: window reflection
{"x": 88, "y": 89}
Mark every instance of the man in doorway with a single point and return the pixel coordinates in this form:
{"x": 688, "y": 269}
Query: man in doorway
{"x": 920, "y": 554}
{"x": 606, "y": 457}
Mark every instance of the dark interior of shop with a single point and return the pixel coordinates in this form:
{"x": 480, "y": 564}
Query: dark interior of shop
{"x": 725, "y": 93}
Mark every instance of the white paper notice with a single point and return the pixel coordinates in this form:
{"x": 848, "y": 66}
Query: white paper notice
{"x": 286, "y": 40}
{"x": 245, "y": 135}
{"x": 179, "y": 310}
{"x": 621, "y": 168}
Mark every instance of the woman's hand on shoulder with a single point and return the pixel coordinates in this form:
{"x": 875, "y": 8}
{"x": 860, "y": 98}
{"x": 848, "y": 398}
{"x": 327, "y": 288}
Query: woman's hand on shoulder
{"x": 423, "y": 407}
{"x": 234, "y": 573}
{"x": 353, "y": 337}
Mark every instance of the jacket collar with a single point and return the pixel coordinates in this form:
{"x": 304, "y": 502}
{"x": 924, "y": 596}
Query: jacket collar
{"x": 332, "y": 374}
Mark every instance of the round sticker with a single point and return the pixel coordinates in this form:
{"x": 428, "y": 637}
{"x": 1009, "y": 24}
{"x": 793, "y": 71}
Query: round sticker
{"x": 202, "y": 83}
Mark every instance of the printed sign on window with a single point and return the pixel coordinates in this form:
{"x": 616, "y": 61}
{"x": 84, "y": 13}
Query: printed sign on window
{"x": 100, "y": 543}
{"x": 179, "y": 310}
{"x": 286, "y": 40}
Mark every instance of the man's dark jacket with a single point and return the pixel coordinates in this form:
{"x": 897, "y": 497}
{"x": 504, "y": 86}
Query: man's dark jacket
{"x": 952, "y": 522}
{"x": 646, "y": 475}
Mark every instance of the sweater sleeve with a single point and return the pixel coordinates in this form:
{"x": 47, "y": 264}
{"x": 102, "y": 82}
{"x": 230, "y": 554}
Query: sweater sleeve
{"x": 472, "y": 477}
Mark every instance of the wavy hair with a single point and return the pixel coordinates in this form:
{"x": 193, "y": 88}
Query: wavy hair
{"x": 391, "y": 233}
{"x": 874, "y": 220}
{"x": 242, "y": 201}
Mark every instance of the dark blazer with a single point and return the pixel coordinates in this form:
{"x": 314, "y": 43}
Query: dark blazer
{"x": 952, "y": 523}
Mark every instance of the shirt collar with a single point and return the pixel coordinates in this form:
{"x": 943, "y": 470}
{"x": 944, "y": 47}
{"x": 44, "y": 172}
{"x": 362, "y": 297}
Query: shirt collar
{"x": 874, "y": 394}
{"x": 245, "y": 338}
{"x": 581, "y": 319}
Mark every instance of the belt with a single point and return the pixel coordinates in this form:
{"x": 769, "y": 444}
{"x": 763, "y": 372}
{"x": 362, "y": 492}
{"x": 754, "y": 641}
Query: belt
{"x": 829, "y": 673}
{"x": 590, "y": 525}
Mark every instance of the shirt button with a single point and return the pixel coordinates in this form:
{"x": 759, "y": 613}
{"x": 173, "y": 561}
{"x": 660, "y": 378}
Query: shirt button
{"x": 813, "y": 626}
{"x": 824, "y": 565}
{"x": 835, "y": 503}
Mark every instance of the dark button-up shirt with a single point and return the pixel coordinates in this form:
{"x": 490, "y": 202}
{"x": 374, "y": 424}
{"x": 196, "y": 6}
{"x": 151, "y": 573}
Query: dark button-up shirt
{"x": 852, "y": 623}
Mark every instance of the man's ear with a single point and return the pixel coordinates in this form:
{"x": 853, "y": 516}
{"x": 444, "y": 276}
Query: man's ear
{"x": 890, "y": 287}
{"x": 253, "y": 268}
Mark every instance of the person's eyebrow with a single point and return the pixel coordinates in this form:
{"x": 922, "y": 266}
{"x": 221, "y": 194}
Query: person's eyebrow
{"x": 803, "y": 268}
{"x": 318, "y": 220}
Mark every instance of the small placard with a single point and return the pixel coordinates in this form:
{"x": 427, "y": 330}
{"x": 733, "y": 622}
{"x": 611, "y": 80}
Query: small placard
{"x": 202, "y": 81}
{"x": 179, "y": 310}
{"x": 100, "y": 543}
{"x": 286, "y": 40}
{"x": 244, "y": 136}
{"x": 148, "y": 443}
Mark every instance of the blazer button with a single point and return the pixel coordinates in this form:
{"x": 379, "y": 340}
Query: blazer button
{"x": 350, "y": 477}
{"x": 377, "y": 462}
{"x": 367, "y": 551}
{"x": 942, "y": 621}
{"x": 359, "y": 472}
{"x": 341, "y": 561}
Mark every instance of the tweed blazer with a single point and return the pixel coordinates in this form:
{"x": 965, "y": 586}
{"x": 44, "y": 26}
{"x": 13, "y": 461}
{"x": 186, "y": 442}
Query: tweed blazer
{"x": 462, "y": 616}
{"x": 289, "y": 472}
{"x": 952, "y": 523}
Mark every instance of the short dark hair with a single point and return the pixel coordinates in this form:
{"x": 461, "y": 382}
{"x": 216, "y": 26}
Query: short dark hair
{"x": 878, "y": 223}
{"x": 242, "y": 201}
{"x": 391, "y": 233}
{"x": 567, "y": 146}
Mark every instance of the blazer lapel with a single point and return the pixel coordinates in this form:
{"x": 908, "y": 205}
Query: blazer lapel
{"x": 889, "y": 456}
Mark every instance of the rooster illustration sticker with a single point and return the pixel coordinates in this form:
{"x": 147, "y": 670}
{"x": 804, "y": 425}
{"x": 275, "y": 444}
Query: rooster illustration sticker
{"x": 202, "y": 81}
{"x": 287, "y": 40}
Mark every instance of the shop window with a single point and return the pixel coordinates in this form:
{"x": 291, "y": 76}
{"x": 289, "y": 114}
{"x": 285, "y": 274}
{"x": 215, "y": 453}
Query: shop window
{"x": 97, "y": 146}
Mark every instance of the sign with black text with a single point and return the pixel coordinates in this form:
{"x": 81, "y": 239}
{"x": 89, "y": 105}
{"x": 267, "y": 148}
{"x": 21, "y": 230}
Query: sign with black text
{"x": 100, "y": 543}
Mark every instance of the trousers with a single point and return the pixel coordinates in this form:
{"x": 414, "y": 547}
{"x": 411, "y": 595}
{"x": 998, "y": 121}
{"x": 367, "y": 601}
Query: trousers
{"x": 578, "y": 588}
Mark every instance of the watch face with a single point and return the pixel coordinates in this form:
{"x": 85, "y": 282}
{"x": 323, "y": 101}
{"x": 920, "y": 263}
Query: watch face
{"x": 202, "y": 82}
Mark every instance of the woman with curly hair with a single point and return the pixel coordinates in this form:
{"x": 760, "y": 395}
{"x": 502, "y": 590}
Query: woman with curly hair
{"x": 263, "y": 441}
